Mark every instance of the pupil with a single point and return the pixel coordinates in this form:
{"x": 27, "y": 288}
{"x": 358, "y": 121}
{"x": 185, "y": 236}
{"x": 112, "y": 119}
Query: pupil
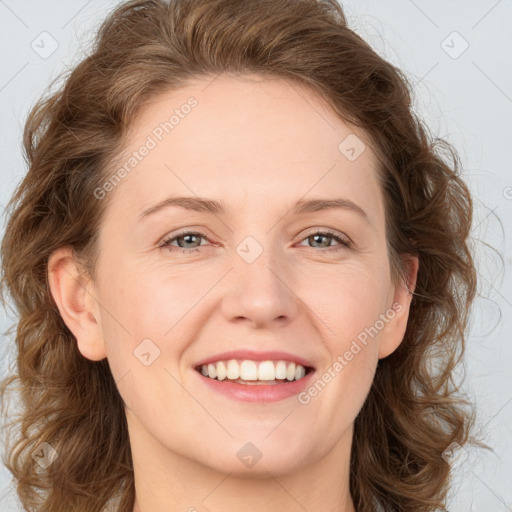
{"x": 319, "y": 236}
{"x": 185, "y": 237}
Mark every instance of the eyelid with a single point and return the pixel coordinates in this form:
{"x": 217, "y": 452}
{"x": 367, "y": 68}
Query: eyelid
{"x": 323, "y": 229}
{"x": 199, "y": 231}
{"x": 165, "y": 243}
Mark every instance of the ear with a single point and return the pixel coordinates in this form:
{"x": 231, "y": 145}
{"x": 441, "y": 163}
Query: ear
{"x": 394, "y": 331}
{"x": 74, "y": 294}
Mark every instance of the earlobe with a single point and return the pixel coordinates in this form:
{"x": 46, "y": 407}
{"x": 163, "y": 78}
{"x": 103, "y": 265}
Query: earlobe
{"x": 394, "y": 332}
{"x": 73, "y": 294}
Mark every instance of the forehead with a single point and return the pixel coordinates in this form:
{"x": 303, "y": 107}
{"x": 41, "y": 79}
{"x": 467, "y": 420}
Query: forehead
{"x": 246, "y": 137}
{"x": 265, "y": 117}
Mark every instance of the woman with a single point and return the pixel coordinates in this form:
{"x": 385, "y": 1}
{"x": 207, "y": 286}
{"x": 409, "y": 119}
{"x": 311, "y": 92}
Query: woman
{"x": 251, "y": 369}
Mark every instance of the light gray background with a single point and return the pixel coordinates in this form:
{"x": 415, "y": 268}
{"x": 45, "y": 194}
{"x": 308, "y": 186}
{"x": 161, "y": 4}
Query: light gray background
{"x": 464, "y": 96}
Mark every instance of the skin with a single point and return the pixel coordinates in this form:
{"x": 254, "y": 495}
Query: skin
{"x": 259, "y": 145}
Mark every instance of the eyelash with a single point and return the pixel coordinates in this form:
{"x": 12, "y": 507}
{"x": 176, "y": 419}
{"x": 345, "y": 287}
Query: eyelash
{"x": 343, "y": 242}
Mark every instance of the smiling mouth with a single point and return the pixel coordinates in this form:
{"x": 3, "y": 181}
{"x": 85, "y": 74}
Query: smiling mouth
{"x": 254, "y": 372}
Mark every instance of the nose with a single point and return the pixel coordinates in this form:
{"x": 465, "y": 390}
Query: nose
{"x": 260, "y": 293}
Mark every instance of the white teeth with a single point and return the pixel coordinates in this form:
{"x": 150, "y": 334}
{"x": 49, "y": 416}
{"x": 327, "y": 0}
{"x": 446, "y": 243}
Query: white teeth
{"x": 266, "y": 371}
{"x": 290, "y": 372}
{"x": 281, "y": 370}
{"x": 299, "y": 372}
{"x": 221, "y": 370}
{"x": 233, "y": 370}
{"x": 247, "y": 370}
{"x": 212, "y": 371}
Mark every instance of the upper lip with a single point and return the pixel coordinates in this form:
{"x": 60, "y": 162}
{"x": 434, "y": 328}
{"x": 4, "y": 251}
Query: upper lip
{"x": 256, "y": 356}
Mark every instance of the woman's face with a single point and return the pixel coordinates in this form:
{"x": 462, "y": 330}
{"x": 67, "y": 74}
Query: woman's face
{"x": 256, "y": 278}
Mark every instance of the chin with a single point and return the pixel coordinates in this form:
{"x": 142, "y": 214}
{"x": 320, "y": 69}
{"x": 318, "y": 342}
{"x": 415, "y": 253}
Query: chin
{"x": 249, "y": 462}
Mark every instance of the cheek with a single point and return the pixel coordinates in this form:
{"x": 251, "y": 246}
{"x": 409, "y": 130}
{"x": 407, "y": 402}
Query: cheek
{"x": 149, "y": 315}
{"x": 347, "y": 299}
{"x": 134, "y": 310}
{"x": 348, "y": 309}
{"x": 138, "y": 318}
{"x": 149, "y": 301}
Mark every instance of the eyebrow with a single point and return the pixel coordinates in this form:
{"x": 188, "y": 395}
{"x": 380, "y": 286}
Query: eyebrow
{"x": 301, "y": 207}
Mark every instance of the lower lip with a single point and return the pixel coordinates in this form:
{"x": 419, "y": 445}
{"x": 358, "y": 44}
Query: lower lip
{"x": 257, "y": 392}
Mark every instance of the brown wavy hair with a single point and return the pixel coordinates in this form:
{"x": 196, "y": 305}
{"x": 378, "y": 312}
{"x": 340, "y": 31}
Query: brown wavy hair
{"x": 415, "y": 409}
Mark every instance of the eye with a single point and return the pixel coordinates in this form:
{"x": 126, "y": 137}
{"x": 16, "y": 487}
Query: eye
{"x": 189, "y": 237}
{"x": 325, "y": 237}
{"x": 187, "y": 241}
